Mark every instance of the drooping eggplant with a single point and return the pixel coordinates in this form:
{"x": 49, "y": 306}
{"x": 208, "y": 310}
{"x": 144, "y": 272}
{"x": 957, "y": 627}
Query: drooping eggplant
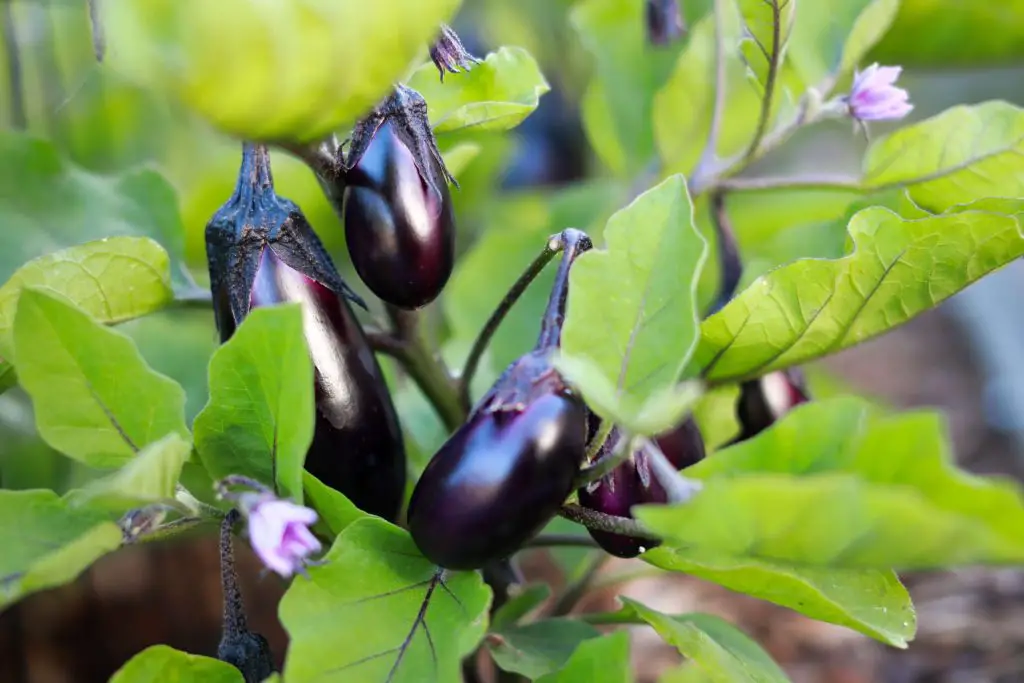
{"x": 261, "y": 252}
{"x": 503, "y": 475}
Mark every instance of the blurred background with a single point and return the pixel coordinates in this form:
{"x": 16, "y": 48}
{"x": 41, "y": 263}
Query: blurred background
{"x": 519, "y": 187}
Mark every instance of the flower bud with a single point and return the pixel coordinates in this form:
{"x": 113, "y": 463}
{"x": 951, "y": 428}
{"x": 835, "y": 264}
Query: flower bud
{"x": 875, "y": 97}
{"x": 504, "y": 474}
{"x": 448, "y": 53}
{"x": 279, "y": 532}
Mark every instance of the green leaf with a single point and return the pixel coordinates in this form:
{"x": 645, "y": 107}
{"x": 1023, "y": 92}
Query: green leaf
{"x": 49, "y": 204}
{"x": 323, "y": 63}
{"x": 541, "y": 647}
{"x": 46, "y": 543}
{"x": 518, "y": 606}
{"x": 683, "y": 107}
{"x": 378, "y": 610}
{"x": 715, "y": 413}
{"x": 830, "y": 38}
{"x": 95, "y": 398}
{"x": 631, "y": 311}
{"x": 8, "y": 378}
{"x": 259, "y": 420}
{"x": 494, "y": 95}
{"x": 599, "y": 660}
{"x": 984, "y": 34}
{"x": 870, "y": 601}
{"x": 858, "y": 491}
{"x": 723, "y": 652}
{"x": 335, "y": 510}
{"x": 113, "y": 280}
{"x": 964, "y": 153}
{"x": 150, "y": 477}
{"x": 458, "y": 157}
{"x": 160, "y": 663}
{"x": 618, "y": 105}
{"x": 810, "y": 308}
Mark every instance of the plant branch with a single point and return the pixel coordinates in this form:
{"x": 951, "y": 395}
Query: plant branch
{"x": 578, "y": 587}
{"x": 811, "y": 181}
{"x": 99, "y": 36}
{"x": 234, "y": 609}
{"x": 426, "y": 368}
{"x": 193, "y": 298}
{"x": 561, "y": 541}
{"x": 708, "y": 158}
{"x": 624, "y": 526}
{"x": 616, "y": 455}
{"x": 15, "y": 77}
{"x": 769, "y": 85}
{"x": 553, "y": 246}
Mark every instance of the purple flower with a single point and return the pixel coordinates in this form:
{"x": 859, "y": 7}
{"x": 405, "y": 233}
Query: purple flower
{"x": 448, "y": 53}
{"x": 279, "y": 533}
{"x": 874, "y": 97}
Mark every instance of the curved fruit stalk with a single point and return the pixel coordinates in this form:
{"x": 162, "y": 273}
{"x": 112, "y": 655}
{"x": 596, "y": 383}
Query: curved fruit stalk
{"x": 391, "y": 192}
{"x": 766, "y": 399}
{"x": 503, "y": 475}
{"x": 262, "y": 252}
{"x": 634, "y": 482}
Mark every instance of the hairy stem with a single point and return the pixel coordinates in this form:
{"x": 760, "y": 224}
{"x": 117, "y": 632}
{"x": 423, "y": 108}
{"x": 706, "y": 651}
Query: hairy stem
{"x": 769, "y": 86}
{"x": 624, "y": 526}
{"x": 234, "y": 609}
{"x": 426, "y": 368}
{"x": 553, "y": 246}
{"x": 15, "y": 77}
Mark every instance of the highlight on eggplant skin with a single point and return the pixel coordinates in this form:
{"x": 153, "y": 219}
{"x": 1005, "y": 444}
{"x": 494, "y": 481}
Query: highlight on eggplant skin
{"x": 764, "y": 400}
{"x": 400, "y": 230}
{"x": 262, "y": 252}
{"x": 504, "y": 473}
{"x": 633, "y": 483}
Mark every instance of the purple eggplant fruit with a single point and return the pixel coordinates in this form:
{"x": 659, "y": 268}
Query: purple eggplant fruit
{"x": 262, "y": 252}
{"x": 391, "y": 192}
{"x": 664, "y": 21}
{"x": 505, "y": 472}
{"x": 766, "y": 399}
{"x": 633, "y": 483}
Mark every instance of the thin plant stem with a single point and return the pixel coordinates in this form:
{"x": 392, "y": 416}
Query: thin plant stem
{"x": 578, "y": 588}
{"x": 624, "y": 526}
{"x": 553, "y": 246}
{"x": 815, "y": 181}
{"x": 234, "y": 609}
{"x": 594, "y": 447}
{"x": 617, "y": 455}
{"x": 15, "y": 76}
{"x": 99, "y": 35}
{"x": 769, "y": 86}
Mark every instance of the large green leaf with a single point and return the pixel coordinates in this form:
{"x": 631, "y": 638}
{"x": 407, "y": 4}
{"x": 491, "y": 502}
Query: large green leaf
{"x": 150, "y": 477}
{"x": 95, "y": 398}
{"x": 47, "y": 203}
{"x": 631, "y": 312}
{"x": 810, "y": 308}
{"x": 46, "y": 543}
{"x": 496, "y": 94}
{"x": 830, "y": 38}
{"x": 322, "y": 63}
{"x": 963, "y": 154}
{"x": 377, "y": 610}
{"x": 259, "y": 420}
{"x": 834, "y": 485}
{"x": 870, "y": 601}
{"x": 984, "y": 33}
{"x": 723, "y": 652}
{"x": 112, "y": 279}
{"x": 599, "y": 660}
{"x": 683, "y": 107}
{"x": 336, "y": 511}
{"x": 618, "y": 105}
{"x": 540, "y": 647}
{"x": 162, "y": 663}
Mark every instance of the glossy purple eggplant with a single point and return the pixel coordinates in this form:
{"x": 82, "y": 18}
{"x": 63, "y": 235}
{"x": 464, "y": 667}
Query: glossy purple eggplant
{"x": 504, "y": 474}
{"x": 262, "y": 252}
{"x": 764, "y": 400}
{"x": 633, "y": 483}
{"x": 664, "y": 21}
{"x": 400, "y": 231}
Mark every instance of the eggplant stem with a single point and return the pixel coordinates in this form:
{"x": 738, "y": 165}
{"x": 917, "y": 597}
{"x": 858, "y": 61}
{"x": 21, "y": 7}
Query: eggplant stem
{"x": 594, "y": 447}
{"x": 574, "y": 242}
{"x": 483, "y": 339}
{"x": 234, "y": 609}
{"x": 592, "y": 519}
{"x": 680, "y": 489}
{"x": 618, "y": 454}
{"x": 579, "y": 586}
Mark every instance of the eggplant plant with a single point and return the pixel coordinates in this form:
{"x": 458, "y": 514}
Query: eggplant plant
{"x": 385, "y": 390}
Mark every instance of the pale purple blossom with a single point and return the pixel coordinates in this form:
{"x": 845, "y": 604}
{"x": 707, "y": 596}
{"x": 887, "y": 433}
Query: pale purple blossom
{"x": 278, "y": 529}
{"x": 875, "y": 97}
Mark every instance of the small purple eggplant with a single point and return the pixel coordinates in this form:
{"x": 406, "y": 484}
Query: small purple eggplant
{"x": 633, "y": 483}
{"x": 766, "y": 399}
{"x": 664, "y": 21}
{"x": 503, "y": 475}
{"x": 262, "y": 252}
{"x": 391, "y": 192}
